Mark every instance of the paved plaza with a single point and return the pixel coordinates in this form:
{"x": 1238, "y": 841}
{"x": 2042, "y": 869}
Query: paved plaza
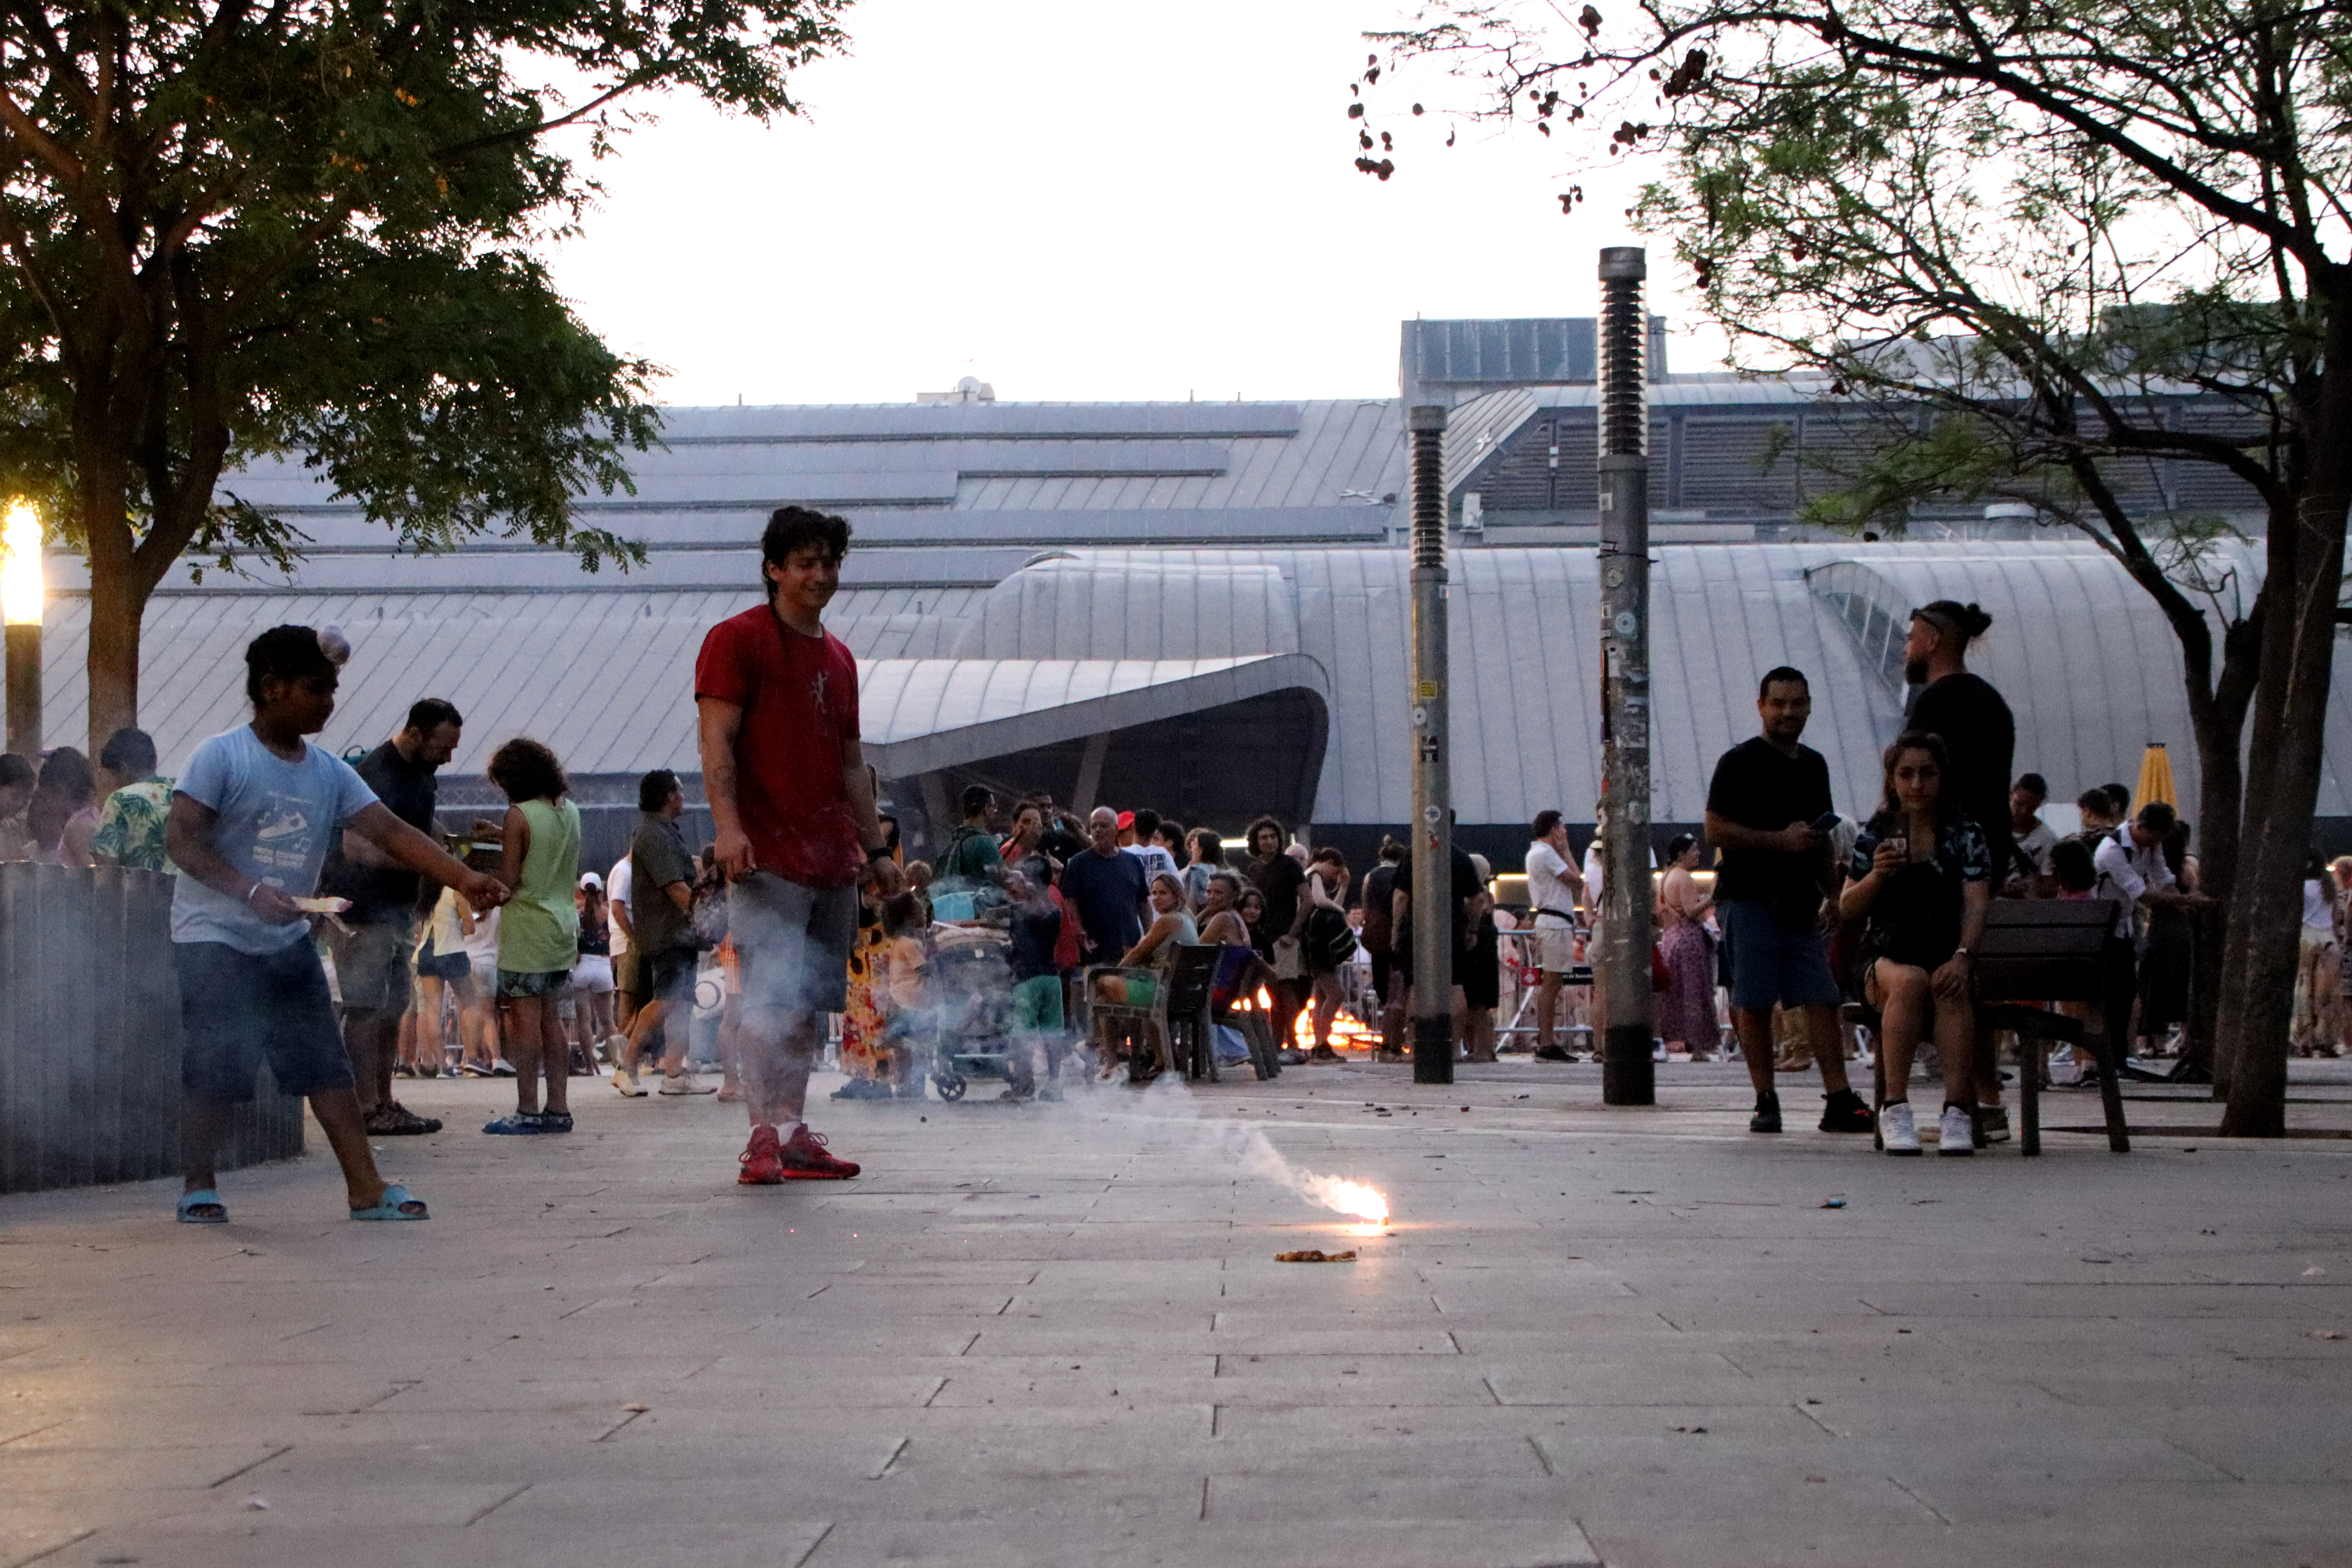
{"x": 1058, "y": 1335}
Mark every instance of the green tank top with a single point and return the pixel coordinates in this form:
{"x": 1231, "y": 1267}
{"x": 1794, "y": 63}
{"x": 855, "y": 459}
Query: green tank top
{"x": 539, "y": 931}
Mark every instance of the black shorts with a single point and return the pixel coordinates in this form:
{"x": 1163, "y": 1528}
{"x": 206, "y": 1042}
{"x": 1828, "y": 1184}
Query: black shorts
{"x": 238, "y": 1009}
{"x": 668, "y": 975}
{"x": 445, "y": 966}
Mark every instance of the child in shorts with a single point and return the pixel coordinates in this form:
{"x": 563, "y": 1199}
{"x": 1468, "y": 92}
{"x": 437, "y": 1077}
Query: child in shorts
{"x": 538, "y": 932}
{"x": 906, "y": 953}
{"x": 251, "y": 820}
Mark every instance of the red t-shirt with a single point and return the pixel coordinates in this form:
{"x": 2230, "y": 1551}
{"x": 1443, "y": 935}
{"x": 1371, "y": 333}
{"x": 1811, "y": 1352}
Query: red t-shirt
{"x": 799, "y": 697}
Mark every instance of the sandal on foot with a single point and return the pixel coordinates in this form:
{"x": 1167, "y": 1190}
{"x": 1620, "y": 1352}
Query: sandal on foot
{"x": 395, "y": 1203}
{"x": 203, "y": 1198}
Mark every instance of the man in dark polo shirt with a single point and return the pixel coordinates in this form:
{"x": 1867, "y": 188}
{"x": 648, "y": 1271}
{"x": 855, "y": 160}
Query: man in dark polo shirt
{"x": 1764, "y": 810}
{"x": 372, "y": 954}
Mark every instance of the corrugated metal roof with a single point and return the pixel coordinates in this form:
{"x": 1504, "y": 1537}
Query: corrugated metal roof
{"x": 605, "y": 676}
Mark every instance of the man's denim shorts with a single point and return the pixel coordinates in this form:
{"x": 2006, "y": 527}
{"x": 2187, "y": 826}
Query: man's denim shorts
{"x": 1771, "y": 964}
{"x": 238, "y": 1009}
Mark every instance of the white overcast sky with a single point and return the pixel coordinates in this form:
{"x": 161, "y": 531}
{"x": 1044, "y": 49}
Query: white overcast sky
{"x": 1075, "y": 200}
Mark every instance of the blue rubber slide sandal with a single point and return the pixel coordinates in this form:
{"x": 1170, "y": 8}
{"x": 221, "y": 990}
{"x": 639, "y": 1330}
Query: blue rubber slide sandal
{"x": 390, "y": 1207}
{"x": 202, "y": 1197}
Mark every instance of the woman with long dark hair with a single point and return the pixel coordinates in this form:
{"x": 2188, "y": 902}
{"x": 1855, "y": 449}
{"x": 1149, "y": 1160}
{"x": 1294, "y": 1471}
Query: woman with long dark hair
{"x": 1686, "y": 1006}
{"x": 62, "y": 818}
{"x": 539, "y": 931}
{"x": 1330, "y": 945}
{"x": 1280, "y": 879}
{"x": 1920, "y": 882}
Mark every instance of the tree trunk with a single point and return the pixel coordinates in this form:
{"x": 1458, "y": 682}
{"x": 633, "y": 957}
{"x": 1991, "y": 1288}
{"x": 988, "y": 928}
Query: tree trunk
{"x": 116, "y": 611}
{"x": 2301, "y": 587}
{"x": 118, "y": 592}
{"x": 2221, "y": 799}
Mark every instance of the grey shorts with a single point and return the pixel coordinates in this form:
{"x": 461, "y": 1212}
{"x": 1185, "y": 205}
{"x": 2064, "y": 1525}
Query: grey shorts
{"x": 371, "y": 971}
{"x": 794, "y": 942}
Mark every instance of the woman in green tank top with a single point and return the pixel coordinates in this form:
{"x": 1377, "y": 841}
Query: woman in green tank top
{"x": 539, "y": 931}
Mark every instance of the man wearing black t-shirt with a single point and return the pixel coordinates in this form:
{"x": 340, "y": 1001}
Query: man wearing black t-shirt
{"x": 373, "y": 945}
{"x": 1762, "y": 806}
{"x": 1981, "y": 736}
{"x": 1465, "y": 888}
{"x": 1978, "y": 732}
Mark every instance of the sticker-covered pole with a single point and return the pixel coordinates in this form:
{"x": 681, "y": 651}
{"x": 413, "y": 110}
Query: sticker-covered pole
{"x": 1433, "y": 794}
{"x": 1622, "y": 965}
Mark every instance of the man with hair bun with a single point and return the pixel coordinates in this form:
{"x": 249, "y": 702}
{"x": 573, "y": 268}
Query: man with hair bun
{"x": 1975, "y": 725}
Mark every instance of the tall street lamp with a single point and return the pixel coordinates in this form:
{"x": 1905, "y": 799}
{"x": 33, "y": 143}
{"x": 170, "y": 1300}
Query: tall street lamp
{"x": 21, "y": 595}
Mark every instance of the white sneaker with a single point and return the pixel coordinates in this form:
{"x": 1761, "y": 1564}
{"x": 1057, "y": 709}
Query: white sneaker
{"x": 1897, "y": 1130}
{"x": 1956, "y": 1132}
{"x": 625, "y": 1082}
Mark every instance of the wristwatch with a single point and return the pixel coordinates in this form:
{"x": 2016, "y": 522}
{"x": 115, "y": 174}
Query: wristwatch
{"x": 1961, "y": 952}
{"x": 880, "y": 852}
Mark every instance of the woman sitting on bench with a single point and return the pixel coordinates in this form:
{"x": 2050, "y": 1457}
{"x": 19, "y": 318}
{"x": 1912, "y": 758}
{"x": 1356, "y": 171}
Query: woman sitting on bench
{"x": 1920, "y": 882}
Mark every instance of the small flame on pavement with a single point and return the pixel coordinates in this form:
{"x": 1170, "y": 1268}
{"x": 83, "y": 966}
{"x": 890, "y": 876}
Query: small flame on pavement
{"x": 1351, "y": 1197}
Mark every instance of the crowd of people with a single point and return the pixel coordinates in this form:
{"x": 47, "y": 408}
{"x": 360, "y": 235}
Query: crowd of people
{"x": 495, "y": 954}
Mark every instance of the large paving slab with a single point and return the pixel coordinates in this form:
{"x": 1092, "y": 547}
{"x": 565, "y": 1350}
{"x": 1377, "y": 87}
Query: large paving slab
{"x": 1058, "y": 1335}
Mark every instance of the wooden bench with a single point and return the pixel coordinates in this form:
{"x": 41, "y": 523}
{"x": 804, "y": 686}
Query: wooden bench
{"x": 2038, "y": 951}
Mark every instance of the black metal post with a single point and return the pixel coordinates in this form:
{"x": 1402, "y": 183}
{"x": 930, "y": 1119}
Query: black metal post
{"x": 1621, "y": 967}
{"x": 1432, "y": 795}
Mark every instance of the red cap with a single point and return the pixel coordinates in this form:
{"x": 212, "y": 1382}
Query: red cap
{"x": 1126, "y": 820}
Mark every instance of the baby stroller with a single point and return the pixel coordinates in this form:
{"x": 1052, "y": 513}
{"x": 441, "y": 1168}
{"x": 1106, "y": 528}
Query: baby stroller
{"x": 969, "y": 989}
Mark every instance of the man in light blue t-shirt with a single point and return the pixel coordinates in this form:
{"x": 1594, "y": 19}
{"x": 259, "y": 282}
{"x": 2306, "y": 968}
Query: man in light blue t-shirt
{"x": 252, "y": 818}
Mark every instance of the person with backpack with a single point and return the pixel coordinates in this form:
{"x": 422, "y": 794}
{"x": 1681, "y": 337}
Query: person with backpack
{"x": 972, "y": 858}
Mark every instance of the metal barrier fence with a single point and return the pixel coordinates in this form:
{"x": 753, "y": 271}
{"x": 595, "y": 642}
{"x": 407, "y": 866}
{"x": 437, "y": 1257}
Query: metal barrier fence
{"x": 90, "y": 1035}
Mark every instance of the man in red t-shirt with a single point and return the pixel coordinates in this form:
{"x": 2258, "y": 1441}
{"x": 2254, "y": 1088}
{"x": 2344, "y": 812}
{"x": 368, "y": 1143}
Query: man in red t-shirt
{"x": 792, "y": 800}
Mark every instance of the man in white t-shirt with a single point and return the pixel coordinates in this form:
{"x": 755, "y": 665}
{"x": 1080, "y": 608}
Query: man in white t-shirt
{"x": 1147, "y": 848}
{"x": 1554, "y": 890}
{"x": 627, "y": 994}
{"x": 2030, "y": 871}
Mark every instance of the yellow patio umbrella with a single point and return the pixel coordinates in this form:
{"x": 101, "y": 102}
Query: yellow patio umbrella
{"x": 2156, "y": 778}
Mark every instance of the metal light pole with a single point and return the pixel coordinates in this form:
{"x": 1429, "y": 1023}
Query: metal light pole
{"x": 1432, "y": 788}
{"x": 21, "y": 595}
{"x": 1623, "y": 966}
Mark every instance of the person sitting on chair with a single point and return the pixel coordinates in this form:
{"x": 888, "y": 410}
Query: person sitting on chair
{"x": 1920, "y": 882}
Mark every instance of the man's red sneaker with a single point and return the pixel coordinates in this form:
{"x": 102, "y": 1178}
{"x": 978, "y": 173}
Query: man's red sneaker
{"x": 761, "y": 1168}
{"x": 805, "y": 1159}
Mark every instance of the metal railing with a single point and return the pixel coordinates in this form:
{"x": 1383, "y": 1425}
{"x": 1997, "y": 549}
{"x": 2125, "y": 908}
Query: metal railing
{"x": 90, "y": 1035}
